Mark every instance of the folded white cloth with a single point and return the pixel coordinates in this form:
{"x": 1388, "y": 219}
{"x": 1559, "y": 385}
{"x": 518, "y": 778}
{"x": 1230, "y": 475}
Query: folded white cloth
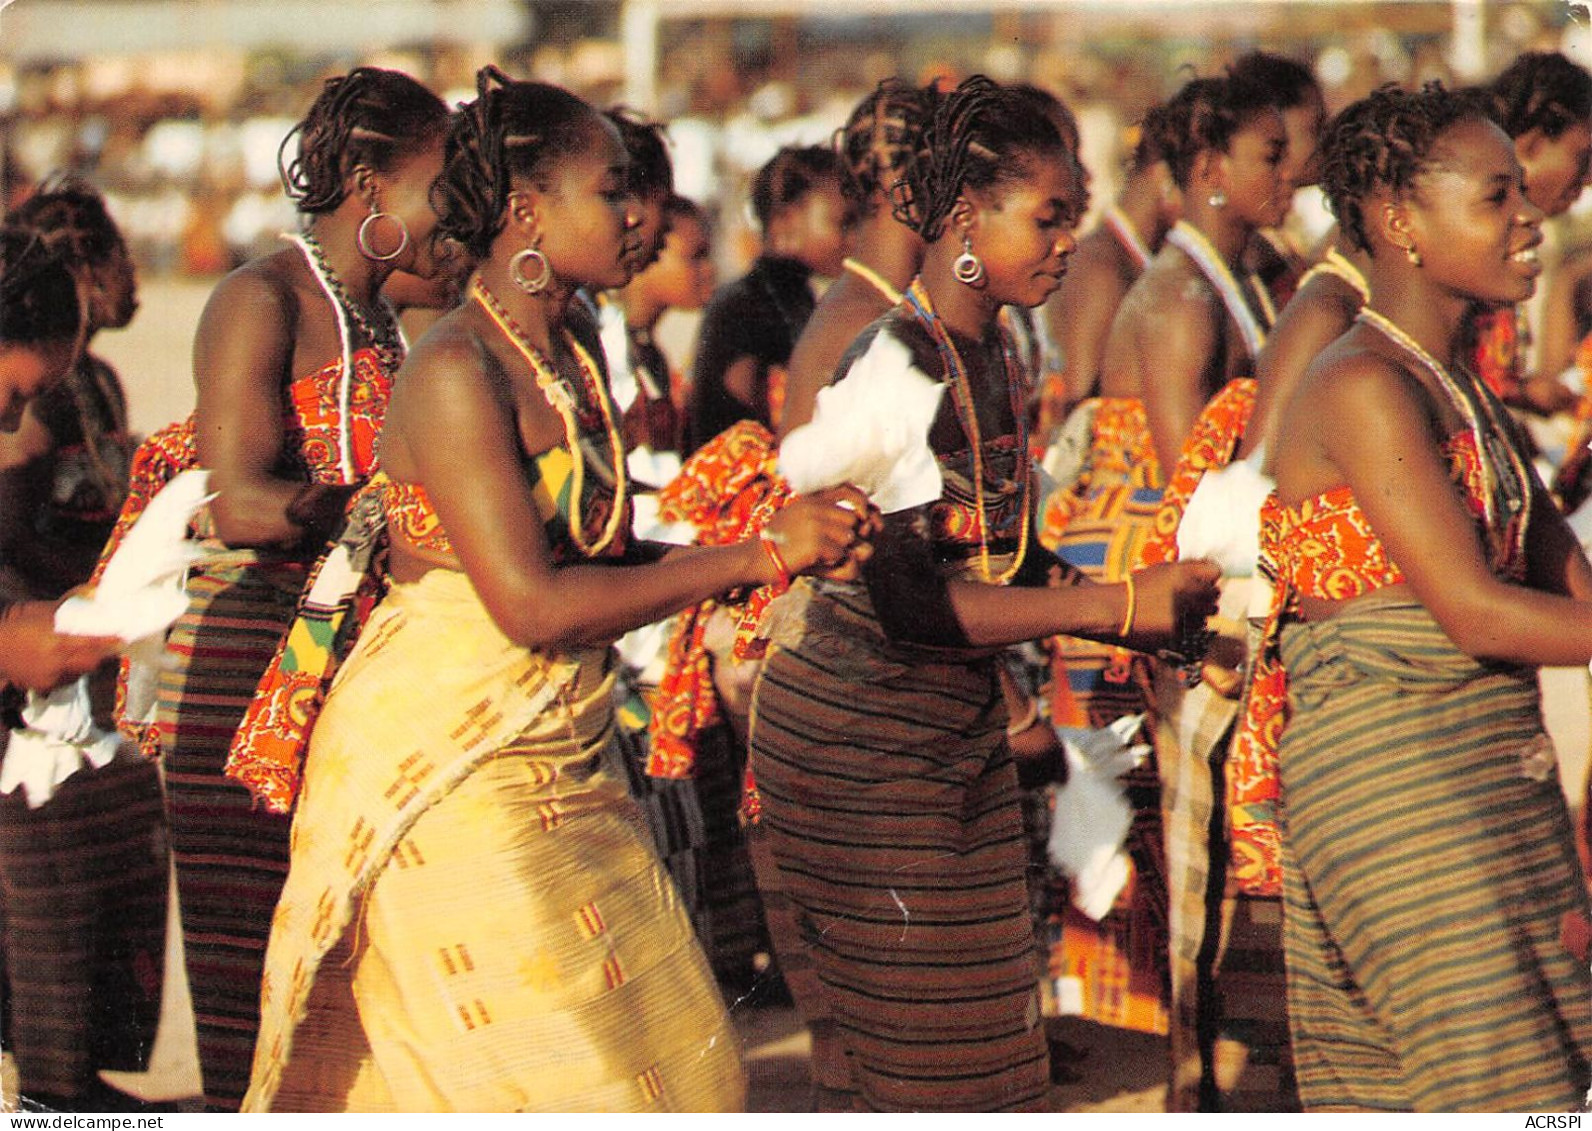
{"x": 652, "y": 469}
{"x": 647, "y": 523}
{"x": 1222, "y": 519}
{"x": 142, "y": 591}
{"x": 871, "y": 429}
{"x": 1091, "y": 815}
{"x": 59, "y": 738}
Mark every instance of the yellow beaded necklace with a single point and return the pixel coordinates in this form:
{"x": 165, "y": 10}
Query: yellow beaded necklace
{"x": 564, "y": 401}
{"x": 962, "y": 397}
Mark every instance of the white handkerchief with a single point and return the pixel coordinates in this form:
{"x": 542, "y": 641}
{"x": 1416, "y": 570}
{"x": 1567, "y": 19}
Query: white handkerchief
{"x": 142, "y": 591}
{"x": 1089, "y": 824}
{"x": 144, "y": 587}
{"x": 59, "y": 738}
{"x": 871, "y": 429}
{"x": 1222, "y": 519}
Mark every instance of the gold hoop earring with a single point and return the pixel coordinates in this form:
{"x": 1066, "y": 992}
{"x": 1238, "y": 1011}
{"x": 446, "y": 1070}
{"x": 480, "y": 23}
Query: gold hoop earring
{"x": 363, "y": 237}
{"x": 544, "y": 271}
{"x": 967, "y": 267}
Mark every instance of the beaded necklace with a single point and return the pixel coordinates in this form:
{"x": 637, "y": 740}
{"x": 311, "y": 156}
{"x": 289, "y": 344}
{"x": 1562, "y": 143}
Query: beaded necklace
{"x": 1192, "y": 242}
{"x": 565, "y": 402}
{"x": 1504, "y": 474}
{"x": 390, "y": 345}
{"x": 917, "y": 298}
{"x": 869, "y": 275}
{"x": 1128, "y": 236}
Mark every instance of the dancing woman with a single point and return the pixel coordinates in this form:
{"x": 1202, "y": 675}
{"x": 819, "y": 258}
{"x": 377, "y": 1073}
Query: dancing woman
{"x": 476, "y": 919}
{"x": 293, "y": 363}
{"x": 1422, "y": 576}
{"x": 879, "y": 737}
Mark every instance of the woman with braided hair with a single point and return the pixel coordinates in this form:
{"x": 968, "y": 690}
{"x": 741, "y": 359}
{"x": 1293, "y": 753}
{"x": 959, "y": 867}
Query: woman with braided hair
{"x": 293, "y": 364}
{"x": 879, "y": 736}
{"x": 66, "y": 467}
{"x": 1435, "y": 915}
{"x": 476, "y": 918}
{"x": 83, "y": 876}
{"x": 884, "y": 130}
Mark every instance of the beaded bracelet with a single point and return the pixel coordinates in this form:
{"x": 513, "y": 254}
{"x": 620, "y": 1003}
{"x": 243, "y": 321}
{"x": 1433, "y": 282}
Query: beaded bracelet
{"x": 1133, "y": 608}
{"x": 770, "y": 547}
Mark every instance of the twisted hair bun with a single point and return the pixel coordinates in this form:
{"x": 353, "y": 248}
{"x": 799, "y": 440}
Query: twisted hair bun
{"x": 1383, "y": 143}
{"x": 511, "y": 131}
{"x": 878, "y": 141}
{"x": 974, "y": 137}
{"x": 1543, "y": 91}
{"x": 38, "y": 297}
{"x": 368, "y": 117}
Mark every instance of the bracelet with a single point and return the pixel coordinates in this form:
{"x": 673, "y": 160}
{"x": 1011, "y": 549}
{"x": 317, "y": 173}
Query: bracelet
{"x": 772, "y": 550}
{"x": 1027, "y": 722}
{"x": 1133, "y": 608}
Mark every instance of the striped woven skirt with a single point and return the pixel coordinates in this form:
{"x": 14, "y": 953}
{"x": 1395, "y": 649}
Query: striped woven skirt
{"x": 1429, "y": 872}
{"x": 891, "y": 802}
{"x": 83, "y": 913}
{"x": 231, "y": 855}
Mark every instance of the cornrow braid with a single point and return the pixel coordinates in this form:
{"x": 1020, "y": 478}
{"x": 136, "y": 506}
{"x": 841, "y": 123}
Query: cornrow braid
{"x": 1384, "y": 142}
{"x": 1205, "y": 115}
{"x": 512, "y": 131}
{"x": 974, "y": 137}
{"x": 38, "y": 296}
{"x": 878, "y": 141}
{"x": 1542, "y": 91}
{"x": 70, "y": 216}
{"x": 368, "y": 117}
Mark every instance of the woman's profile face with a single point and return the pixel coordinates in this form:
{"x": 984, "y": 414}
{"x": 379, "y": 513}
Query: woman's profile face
{"x": 26, "y": 371}
{"x": 1470, "y": 219}
{"x": 406, "y": 193}
{"x": 682, "y": 275}
{"x": 1258, "y": 188}
{"x": 1024, "y": 229}
{"x": 813, "y": 228}
{"x": 590, "y": 223}
{"x": 1556, "y": 168}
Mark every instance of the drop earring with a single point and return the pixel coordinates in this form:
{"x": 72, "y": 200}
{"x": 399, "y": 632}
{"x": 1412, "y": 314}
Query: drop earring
{"x": 1218, "y": 199}
{"x": 1413, "y": 256}
{"x": 967, "y": 267}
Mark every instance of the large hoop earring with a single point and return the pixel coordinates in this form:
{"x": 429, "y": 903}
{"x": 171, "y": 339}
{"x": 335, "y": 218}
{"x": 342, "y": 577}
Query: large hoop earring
{"x": 544, "y": 271}
{"x": 362, "y": 237}
{"x": 967, "y": 267}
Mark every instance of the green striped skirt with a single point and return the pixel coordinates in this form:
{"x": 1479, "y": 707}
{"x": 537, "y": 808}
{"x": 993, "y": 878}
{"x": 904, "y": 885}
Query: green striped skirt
{"x": 891, "y": 803}
{"x": 1428, "y": 865}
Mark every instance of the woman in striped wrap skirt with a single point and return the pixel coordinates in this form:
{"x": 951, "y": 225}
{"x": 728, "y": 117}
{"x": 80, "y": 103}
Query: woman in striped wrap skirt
{"x": 887, "y": 785}
{"x": 293, "y": 364}
{"x": 1435, "y": 912}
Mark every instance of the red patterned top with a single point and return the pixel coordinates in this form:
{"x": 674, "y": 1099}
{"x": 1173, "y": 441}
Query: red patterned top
{"x": 1497, "y": 357}
{"x": 1325, "y": 548}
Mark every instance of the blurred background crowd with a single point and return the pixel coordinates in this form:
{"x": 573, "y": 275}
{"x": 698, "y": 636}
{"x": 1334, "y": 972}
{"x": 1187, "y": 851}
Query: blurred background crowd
{"x": 176, "y": 108}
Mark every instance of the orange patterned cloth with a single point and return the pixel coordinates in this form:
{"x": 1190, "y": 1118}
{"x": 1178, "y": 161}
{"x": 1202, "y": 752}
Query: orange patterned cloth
{"x": 728, "y": 489}
{"x": 1324, "y": 548}
{"x": 1122, "y": 453}
{"x": 1211, "y": 445}
{"x": 412, "y": 517}
{"x": 1497, "y": 359}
